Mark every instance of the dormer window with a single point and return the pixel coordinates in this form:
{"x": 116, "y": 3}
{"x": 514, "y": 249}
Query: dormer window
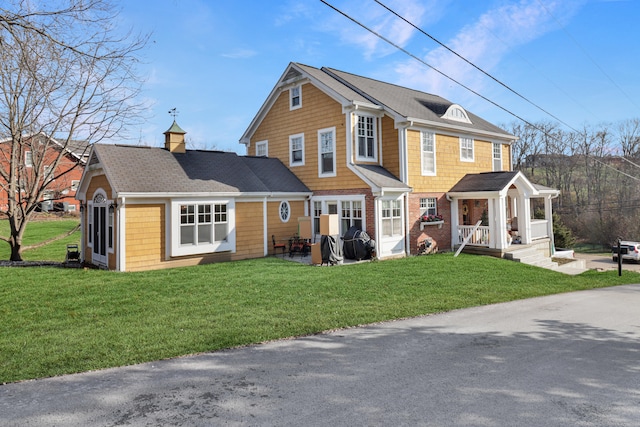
{"x": 366, "y": 138}
{"x": 295, "y": 97}
{"x": 456, "y": 113}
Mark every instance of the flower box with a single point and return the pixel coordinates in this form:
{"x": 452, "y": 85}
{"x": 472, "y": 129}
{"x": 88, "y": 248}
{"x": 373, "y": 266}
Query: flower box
{"x": 438, "y": 223}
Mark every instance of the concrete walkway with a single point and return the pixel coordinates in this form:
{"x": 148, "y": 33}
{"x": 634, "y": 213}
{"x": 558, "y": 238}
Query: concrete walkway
{"x": 563, "y": 360}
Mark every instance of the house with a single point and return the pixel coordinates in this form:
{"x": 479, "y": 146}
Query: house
{"x": 39, "y": 153}
{"x": 149, "y": 208}
{"x": 382, "y": 156}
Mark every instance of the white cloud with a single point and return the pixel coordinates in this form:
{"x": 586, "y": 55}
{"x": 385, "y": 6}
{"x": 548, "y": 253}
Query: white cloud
{"x": 486, "y": 42}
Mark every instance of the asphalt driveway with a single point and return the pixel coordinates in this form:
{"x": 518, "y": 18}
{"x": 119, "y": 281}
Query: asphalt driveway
{"x": 571, "y": 359}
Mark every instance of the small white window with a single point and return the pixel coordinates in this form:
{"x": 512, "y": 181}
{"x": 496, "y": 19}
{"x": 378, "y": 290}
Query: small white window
{"x": 497, "y": 157}
{"x": 262, "y": 149}
{"x": 366, "y": 137}
{"x": 429, "y": 206}
{"x": 296, "y": 150}
{"x": 295, "y": 97}
{"x": 74, "y": 184}
{"x": 428, "y": 153}
{"x": 285, "y": 211}
{"x": 28, "y": 159}
{"x": 466, "y": 149}
{"x": 391, "y": 218}
{"x": 327, "y": 152}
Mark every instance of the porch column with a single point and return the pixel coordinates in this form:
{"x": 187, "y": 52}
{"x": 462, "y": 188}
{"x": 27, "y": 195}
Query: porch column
{"x": 498, "y": 230}
{"x": 454, "y": 223}
{"x": 524, "y": 219}
{"x": 548, "y": 215}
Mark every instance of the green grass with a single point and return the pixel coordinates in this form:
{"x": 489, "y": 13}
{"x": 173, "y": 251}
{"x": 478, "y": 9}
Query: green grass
{"x": 59, "y": 321}
{"x": 40, "y": 231}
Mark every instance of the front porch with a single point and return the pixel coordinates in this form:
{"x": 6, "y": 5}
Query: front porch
{"x": 497, "y": 212}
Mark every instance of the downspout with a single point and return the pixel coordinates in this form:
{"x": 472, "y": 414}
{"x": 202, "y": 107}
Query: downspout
{"x": 404, "y": 176}
{"x": 121, "y": 263}
{"x": 264, "y": 227}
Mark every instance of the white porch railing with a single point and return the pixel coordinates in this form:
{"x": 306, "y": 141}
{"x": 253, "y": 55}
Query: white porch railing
{"x": 480, "y": 237}
{"x": 539, "y": 229}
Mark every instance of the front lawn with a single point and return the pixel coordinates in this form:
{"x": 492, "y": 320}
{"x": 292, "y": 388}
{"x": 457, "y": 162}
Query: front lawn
{"x": 39, "y": 231}
{"x": 59, "y": 321}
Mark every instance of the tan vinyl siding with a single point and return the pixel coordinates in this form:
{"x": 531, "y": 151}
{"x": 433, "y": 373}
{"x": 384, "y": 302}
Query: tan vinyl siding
{"x": 249, "y": 230}
{"x": 390, "y": 147}
{"x": 145, "y": 236}
{"x": 318, "y": 111}
{"x": 449, "y": 168}
{"x": 283, "y": 231}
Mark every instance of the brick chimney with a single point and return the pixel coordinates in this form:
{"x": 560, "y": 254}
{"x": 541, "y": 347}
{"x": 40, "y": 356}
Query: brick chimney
{"x": 174, "y": 139}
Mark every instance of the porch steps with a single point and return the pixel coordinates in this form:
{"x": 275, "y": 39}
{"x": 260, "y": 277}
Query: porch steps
{"x": 531, "y": 256}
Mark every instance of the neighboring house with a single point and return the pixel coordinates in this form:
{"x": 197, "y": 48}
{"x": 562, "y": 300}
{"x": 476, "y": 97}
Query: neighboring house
{"x": 148, "y": 208}
{"x": 381, "y": 156}
{"x": 60, "y": 194}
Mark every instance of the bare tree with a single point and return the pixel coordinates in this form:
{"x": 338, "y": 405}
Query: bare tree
{"x": 67, "y": 72}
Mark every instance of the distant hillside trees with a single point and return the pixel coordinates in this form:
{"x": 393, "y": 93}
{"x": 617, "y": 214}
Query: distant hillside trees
{"x": 597, "y": 170}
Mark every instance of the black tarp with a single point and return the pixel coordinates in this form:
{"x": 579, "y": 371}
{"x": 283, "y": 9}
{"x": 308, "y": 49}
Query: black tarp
{"x": 357, "y": 244}
{"x": 330, "y": 249}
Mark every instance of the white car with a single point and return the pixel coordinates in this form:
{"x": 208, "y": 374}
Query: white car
{"x": 628, "y": 250}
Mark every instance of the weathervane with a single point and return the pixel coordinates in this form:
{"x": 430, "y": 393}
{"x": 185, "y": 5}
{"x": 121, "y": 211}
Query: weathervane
{"x": 174, "y": 112}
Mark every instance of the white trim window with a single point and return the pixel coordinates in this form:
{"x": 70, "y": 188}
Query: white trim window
{"x": 296, "y": 150}
{"x": 284, "y": 211}
{"x": 428, "y": 153}
{"x": 317, "y": 211}
{"x": 366, "y": 138}
{"x": 262, "y": 149}
{"x": 327, "y": 152}
{"x": 429, "y": 206}
{"x": 202, "y": 227}
{"x": 28, "y": 159}
{"x": 466, "y": 149}
{"x": 351, "y": 215}
{"x": 391, "y": 218}
{"x": 295, "y": 97}
{"x": 74, "y": 184}
{"x": 497, "y": 156}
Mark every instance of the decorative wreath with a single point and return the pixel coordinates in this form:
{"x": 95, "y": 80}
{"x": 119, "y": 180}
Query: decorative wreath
{"x": 465, "y": 209}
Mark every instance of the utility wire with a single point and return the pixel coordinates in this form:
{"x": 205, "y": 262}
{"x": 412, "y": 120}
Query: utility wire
{"x": 380, "y": 36}
{"x": 593, "y": 61}
{"x": 474, "y": 65}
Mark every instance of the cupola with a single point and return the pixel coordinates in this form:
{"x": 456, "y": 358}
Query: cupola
{"x": 174, "y": 139}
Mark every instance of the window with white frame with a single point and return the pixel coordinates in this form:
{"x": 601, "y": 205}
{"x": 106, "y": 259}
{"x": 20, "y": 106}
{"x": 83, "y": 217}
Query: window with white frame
{"x": 284, "y": 211}
{"x": 366, "y": 137}
{"x": 28, "y": 159}
{"x": 428, "y": 153}
{"x": 295, "y": 97}
{"x": 327, "y": 152}
{"x": 262, "y": 149}
{"x": 429, "y": 206}
{"x": 466, "y": 149}
{"x": 317, "y": 211}
{"x": 296, "y": 150}
{"x": 74, "y": 184}
{"x": 497, "y": 156}
{"x": 202, "y": 227}
{"x": 391, "y": 218}
{"x": 110, "y": 229}
{"x": 350, "y": 215}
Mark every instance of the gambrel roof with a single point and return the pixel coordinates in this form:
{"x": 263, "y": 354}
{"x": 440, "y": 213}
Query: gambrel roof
{"x": 147, "y": 171}
{"x": 404, "y": 105}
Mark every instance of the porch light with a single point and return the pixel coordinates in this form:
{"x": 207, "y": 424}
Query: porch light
{"x": 112, "y": 207}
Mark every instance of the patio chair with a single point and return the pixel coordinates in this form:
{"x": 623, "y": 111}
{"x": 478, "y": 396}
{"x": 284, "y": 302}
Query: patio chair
{"x": 277, "y": 246}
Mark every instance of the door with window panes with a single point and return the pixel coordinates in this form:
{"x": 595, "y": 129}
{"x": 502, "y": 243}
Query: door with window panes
{"x": 101, "y": 221}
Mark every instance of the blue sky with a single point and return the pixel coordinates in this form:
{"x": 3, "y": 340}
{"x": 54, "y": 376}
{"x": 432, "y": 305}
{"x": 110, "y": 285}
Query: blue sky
{"x": 216, "y": 61}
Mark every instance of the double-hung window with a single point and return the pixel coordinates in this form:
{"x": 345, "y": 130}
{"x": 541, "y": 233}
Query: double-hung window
{"x": 366, "y": 137}
{"x": 295, "y": 97}
{"x": 28, "y": 159}
{"x": 391, "y": 218}
{"x": 202, "y": 227}
{"x": 296, "y": 150}
{"x": 497, "y": 156}
{"x": 428, "y": 153}
{"x": 327, "y": 152}
{"x": 466, "y": 149}
{"x": 351, "y": 215}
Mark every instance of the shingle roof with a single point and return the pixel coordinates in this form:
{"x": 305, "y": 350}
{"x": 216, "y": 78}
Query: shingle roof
{"x": 132, "y": 169}
{"x": 485, "y": 181}
{"x": 381, "y": 177}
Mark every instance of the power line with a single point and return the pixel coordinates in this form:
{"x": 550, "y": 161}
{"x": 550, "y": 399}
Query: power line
{"x": 475, "y": 66}
{"x": 593, "y": 61}
{"x": 380, "y": 36}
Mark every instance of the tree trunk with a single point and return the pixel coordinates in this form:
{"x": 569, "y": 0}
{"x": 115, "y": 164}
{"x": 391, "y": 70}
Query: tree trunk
{"x": 15, "y": 251}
